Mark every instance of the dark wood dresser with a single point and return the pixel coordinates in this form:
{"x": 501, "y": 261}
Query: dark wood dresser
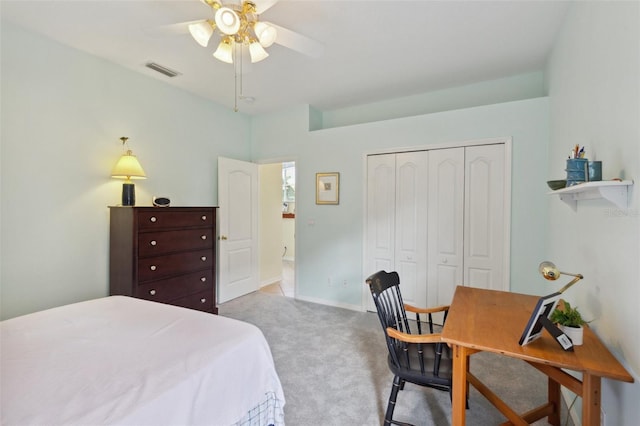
{"x": 164, "y": 254}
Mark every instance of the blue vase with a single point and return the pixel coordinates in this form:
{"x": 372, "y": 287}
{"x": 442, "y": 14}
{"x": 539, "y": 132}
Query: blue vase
{"x": 577, "y": 171}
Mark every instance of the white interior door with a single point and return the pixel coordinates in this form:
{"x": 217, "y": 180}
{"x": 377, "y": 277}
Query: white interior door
{"x": 396, "y": 221}
{"x": 445, "y": 228}
{"x": 380, "y": 217}
{"x": 484, "y": 240}
{"x": 238, "y": 269}
{"x": 411, "y": 226}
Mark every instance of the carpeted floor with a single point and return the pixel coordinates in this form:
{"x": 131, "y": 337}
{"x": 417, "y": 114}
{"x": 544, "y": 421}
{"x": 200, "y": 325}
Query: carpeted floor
{"x": 333, "y": 368}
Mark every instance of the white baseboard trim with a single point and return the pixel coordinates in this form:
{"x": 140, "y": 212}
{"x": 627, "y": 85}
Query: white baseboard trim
{"x": 331, "y": 303}
{"x": 270, "y": 281}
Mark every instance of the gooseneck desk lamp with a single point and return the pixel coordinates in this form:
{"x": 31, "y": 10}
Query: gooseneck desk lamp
{"x": 545, "y": 306}
{"x": 550, "y": 272}
{"x": 128, "y": 167}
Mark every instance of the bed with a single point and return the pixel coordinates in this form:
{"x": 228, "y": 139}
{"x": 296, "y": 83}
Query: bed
{"x": 124, "y": 361}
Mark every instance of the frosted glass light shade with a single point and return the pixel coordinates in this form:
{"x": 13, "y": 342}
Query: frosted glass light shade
{"x": 257, "y": 52}
{"x": 227, "y": 20}
{"x": 266, "y": 33}
{"x": 201, "y": 32}
{"x": 128, "y": 167}
{"x": 224, "y": 52}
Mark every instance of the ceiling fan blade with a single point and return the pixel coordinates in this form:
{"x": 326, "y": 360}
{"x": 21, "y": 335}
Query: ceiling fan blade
{"x": 298, "y": 42}
{"x": 263, "y": 5}
{"x": 172, "y": 29}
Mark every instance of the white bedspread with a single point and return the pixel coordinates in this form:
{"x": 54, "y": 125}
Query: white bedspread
{"x": 120, "y": 360}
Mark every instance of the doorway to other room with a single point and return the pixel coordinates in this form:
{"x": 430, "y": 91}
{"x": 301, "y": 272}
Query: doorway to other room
{"x": 277, "y": 228}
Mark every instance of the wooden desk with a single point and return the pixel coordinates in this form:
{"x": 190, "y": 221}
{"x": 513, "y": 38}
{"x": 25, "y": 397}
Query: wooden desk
{"x": 493, "y": 321}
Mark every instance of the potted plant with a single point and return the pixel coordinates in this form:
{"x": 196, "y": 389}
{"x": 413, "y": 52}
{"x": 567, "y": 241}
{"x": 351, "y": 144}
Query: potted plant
{"x": 570, "y": 321}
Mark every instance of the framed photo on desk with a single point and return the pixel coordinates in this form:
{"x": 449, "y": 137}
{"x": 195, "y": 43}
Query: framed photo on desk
{"x": 542, "y": 311}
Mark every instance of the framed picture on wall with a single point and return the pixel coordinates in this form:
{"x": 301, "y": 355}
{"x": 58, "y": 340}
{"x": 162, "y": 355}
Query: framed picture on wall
{"x": 327, "y": 188}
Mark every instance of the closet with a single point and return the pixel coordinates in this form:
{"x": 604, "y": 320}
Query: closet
{"x": 437, "y": 217}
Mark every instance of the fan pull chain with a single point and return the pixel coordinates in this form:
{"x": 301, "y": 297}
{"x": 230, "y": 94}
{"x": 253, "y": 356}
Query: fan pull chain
{"x": 235, "y": 75}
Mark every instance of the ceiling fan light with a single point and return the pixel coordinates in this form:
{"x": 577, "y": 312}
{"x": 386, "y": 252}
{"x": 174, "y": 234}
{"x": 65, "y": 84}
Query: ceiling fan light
{"x": 257, "y": 52}
{"x": 227, "y": 20}
{"x": 266, "y": 33}
{"x": 224, "y": 52}
{"x": 201, "y": 32}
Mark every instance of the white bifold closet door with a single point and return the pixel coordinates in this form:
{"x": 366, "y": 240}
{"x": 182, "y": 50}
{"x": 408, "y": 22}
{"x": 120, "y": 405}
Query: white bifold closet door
{"x": 445, "y": 230}
{"x": 485, "y": 223}
{"x": 396, "y": 225}
{"x": 437, "y": 218}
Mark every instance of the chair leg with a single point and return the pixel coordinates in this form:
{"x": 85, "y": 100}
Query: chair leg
{"x": 397, "y": 383}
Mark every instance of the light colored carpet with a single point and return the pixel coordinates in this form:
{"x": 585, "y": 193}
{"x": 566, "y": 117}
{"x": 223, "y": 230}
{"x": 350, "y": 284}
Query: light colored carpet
{"x": 333, "y": 366}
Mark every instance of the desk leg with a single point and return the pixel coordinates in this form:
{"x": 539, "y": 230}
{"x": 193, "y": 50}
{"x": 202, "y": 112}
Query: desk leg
{"x": 554, "y": 397}
{"x": 459, "y": 385}
{"x": 591, "y": 400}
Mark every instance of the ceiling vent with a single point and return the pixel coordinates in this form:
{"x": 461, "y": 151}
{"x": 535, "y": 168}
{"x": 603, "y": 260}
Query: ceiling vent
{"x": 162, "y": 70}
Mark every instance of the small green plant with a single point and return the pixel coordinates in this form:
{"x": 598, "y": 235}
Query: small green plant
{"x": 569, "y": 316}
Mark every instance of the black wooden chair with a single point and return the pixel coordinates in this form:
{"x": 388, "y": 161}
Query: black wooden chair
{"x": 422, "y": 359}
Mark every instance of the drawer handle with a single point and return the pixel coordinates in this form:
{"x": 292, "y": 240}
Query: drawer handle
{"x": 153, "y": 242}
{"x": 153, "y": 267}
{"x": 203, "y": 300}
{"x": 153, "y": 219}
{"x": 203, "y": 217}
{"x": 203, "y": 279}
{"x": 203, "y": 258}
{"x": 152, "y": 292}
{"x": 204, "y": 237}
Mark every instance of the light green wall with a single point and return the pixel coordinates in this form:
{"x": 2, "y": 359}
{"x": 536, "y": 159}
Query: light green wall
{"x": 329, "y": 238}
{"x": 517, "y": 87}
{"x": 62, "y": 114}
{"x": 594, "y": 92}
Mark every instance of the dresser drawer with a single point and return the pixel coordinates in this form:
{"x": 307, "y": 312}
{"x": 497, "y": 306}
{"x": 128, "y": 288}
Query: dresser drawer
{"x": 154, "y": 268}
{"x": 176, "y": 287}
{"x": 154, "y": 243}
{"x": 163, "y": 219}
{"x": 202, "y": 301}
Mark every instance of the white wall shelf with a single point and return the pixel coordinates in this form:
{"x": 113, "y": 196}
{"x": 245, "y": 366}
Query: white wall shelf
{"x": 614, "y": 191}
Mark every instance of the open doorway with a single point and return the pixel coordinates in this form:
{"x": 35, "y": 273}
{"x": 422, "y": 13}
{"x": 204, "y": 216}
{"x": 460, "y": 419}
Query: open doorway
{"x": 277, "y": 228}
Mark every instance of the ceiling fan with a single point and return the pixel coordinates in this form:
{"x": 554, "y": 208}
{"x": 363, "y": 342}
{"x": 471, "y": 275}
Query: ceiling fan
{"x": 240, "y": 29}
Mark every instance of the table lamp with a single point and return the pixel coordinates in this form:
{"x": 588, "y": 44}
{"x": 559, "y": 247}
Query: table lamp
{"x": 550, "y": 272}
{"x": 128, "y": 167}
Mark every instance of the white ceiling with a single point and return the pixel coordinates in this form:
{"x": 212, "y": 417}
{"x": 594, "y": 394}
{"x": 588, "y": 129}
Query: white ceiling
{"x": 373, "y": 50}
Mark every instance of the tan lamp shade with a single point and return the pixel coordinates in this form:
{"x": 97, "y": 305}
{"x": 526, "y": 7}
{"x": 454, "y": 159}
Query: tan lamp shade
{"x": 128, "y": 167}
